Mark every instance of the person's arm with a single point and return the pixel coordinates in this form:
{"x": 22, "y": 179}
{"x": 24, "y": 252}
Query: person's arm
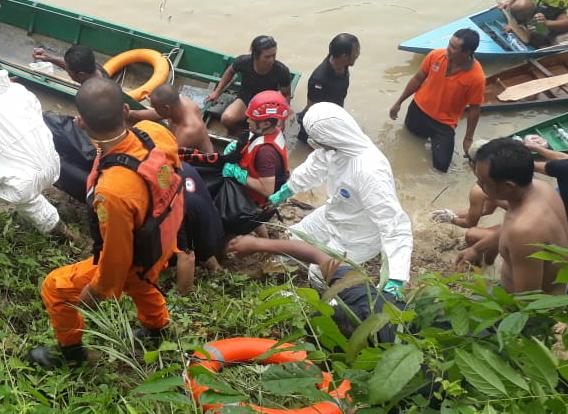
{"x": 472, "y": 119}
{"x": 262, "y": 185}
{"x": 136, "y": 115}
{"x": 378, "y": 198}
{"x": 287, "y": 92}
{"x": 474, "y": 252}
{"x": 225, "y": 80}
{"x": 42, "y": 55}
{"x": 411, "y": 87}
{"x": 540, "y": 167}
{"x": 545, "y": 152}
{"x": 285, "y": 82}
{"x": 310, "y": 173}
{"x": 475, "y": 211}
{"x": 298, "y": 249}
{"x": 559, "y": 25}
{"x": 527, "y": 273}
{"x": 116, "y": 223}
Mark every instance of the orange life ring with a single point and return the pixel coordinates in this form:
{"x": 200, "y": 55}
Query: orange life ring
{"x": 149, "y": 56}
{"x": 246, "y": 349}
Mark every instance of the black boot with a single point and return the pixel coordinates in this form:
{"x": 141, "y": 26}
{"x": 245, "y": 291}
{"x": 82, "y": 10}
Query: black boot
{"x": 49, "y": 358}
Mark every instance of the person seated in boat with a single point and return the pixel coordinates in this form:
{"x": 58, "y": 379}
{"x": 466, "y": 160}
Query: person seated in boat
{"x": 259, "y": 71}
{"x": 556, "y": 165}
{"x": 536, "y": 215}
{"x": 263, "y": 167}
{"x": 330, "y": 80}
{"x": 79, "y": 62}
{"x": 546, "y": 19}
{"x": 201, "y": 236}
{"x": 479, "y": 203}
{"x": 449, "y": 80}
{"x": 29, "y": 163}
{"x": 356, "y": 297}
{"x": 183, "y": 115}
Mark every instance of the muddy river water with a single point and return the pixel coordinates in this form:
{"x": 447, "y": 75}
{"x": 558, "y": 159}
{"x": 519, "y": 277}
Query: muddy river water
{"x": 303, "y": 30}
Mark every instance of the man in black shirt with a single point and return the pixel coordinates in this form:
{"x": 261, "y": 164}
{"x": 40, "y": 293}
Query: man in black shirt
{"x": 259, "y": 71}
{"x": 330, "y": 80}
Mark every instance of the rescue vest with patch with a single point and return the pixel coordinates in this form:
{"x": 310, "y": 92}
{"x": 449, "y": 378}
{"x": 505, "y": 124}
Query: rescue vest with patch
{"x": 249, "y": 152}
{"x": 165, "y": 212}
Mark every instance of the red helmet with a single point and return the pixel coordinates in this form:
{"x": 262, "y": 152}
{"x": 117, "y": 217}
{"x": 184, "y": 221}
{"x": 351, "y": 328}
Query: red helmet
{"x": 267, "y": 105}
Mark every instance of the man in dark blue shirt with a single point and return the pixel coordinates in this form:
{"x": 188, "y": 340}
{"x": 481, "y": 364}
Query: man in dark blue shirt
{"x": 330, "y": 80}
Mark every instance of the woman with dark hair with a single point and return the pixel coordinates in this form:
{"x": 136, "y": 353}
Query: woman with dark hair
{"x": 260, "y": 71}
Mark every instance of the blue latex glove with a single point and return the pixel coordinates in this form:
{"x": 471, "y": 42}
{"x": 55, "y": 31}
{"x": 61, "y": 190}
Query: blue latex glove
{"x": 231, "y": 170}
{"x": 230, "y": 148}
{"x": 281, "y": 195}
{"x": 394, "y": 287}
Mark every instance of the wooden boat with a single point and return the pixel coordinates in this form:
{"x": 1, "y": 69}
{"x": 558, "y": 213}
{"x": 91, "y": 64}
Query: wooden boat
{"x": 530, "y": 70}
{"x": 493, "y": 42}
{"x": 549, "y": 130}
{"x": 26, "y": 24}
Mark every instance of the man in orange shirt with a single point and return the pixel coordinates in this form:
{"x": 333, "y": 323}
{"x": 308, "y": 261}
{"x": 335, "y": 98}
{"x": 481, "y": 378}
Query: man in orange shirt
{"x": 120, "y": 201}
{"x": 448, "y": 80}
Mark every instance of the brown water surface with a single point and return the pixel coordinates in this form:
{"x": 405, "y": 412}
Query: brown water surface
{"x": 303, "y": 30}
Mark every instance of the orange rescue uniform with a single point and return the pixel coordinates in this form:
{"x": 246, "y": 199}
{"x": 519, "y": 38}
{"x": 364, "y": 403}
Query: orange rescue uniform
{"x": 444, "y": 98}
{"x": 121, "y": 203}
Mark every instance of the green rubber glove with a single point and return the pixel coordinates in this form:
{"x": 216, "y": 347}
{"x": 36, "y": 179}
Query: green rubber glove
{"x": 281, "y": 195}
{"x": 230, "y": 148}
{"x": 394, "y": 287}
{"x": 231, "y": 170}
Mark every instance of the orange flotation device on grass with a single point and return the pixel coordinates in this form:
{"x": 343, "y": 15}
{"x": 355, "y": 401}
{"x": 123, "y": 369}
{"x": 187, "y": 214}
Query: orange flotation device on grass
{"x": 246, "y": 349}
{"x": 152, "y": 57}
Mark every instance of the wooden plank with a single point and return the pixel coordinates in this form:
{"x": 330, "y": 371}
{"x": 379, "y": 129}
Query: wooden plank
{"x": 524, "y": 90}
{"x": 535, "y": 63}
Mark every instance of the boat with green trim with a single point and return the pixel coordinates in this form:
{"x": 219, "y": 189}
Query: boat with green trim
{"x": 26, "y": 24}
{"x": 553, "y": 130}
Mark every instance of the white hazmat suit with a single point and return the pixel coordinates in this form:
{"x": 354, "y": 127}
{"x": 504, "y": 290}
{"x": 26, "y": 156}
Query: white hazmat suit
{"x": 28, "y": 161}
{"x": 362, "y": 215}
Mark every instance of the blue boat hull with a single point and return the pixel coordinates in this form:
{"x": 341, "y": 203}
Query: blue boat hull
{"x": 492, "y": 40}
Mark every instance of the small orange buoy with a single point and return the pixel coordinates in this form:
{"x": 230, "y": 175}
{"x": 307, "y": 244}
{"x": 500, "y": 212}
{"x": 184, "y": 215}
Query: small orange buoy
{"x": 149, "y": 56}
{"x": 247, "y": 349}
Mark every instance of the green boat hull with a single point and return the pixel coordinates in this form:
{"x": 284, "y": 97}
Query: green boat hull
{"x": 191, "y": 63}
{"x": 547, "y": 130}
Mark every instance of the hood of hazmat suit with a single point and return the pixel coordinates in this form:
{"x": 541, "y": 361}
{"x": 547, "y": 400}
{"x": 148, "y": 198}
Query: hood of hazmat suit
{"x": 28, "y": 160}
{"x": 362, "y": 215}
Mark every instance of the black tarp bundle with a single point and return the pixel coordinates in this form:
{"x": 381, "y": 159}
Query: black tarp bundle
{"x": 76, "y": 154}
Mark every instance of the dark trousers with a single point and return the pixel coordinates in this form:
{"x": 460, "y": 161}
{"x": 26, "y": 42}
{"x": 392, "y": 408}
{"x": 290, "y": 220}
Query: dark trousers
{"x": 442, "y": 135}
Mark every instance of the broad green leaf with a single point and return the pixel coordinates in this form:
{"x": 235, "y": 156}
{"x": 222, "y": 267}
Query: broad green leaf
{"x": 232, "y": 409}
{"x": 360, "y": 337}
{"x": 548, "y": 257}
{"x": 367, "y": 359}
{"x": 500, "y": 366}
{"x": 563, "y": 370}
{"x": 502, "y": 296}
{"x": 312, "y": 297}
{"x": 212, "y": 397}
{"x": 489, "y": 410}
{"x": 168, "y": 397}
{"x": 271, "y": 291}
{"x": 396, "y": 368}
{"x": 328, "y": 333}
{"x": 158, "y": 386}
{"x": 479, "y": 374}
{"x": 549, "y": 302}
{"x": 562, "y": 276}
{"x": 538, "y": 363}
{"x": 294, "y": 379}
{"x": 563, "y": 251}
{"x": 168, "y": 346}
{"x": 511, "y": 327}
{"x": 398, "y": 316}
{"x": 459, "y": 320}
{"x": 273, "y": 303}
{"x": 151, "y": 356}
{"x": 212, "y": 382}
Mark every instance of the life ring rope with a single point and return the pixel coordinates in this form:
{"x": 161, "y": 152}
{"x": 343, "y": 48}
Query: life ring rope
{"x": 159, "y": 63}
{"x": 243, "y": 350}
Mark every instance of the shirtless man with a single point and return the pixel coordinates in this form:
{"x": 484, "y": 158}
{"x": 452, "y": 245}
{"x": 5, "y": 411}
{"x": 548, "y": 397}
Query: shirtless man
{"x": 504, "y": 169}
{"x": 183, "y": 115}
{"x": 78, "y": 61}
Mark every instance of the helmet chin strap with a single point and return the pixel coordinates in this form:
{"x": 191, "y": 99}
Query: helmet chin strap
{"x": 259, "y": 131}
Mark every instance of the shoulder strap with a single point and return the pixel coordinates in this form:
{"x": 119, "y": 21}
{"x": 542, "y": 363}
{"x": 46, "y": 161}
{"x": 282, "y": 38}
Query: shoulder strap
{"x": 122, "y": 160}
{"x": 144, "y": 138}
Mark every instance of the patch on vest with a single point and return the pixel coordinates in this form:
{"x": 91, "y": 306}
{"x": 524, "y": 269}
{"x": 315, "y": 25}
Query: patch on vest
{"x": 435, "y": 67}
{"x": 343, "y": 192}
{"x": 100, "y": 208}
{"x": 189, "y": 185}
{"x": 164, "y": 177}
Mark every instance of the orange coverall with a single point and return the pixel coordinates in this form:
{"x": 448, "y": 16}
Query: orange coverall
{"x": 121, "y": 202}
